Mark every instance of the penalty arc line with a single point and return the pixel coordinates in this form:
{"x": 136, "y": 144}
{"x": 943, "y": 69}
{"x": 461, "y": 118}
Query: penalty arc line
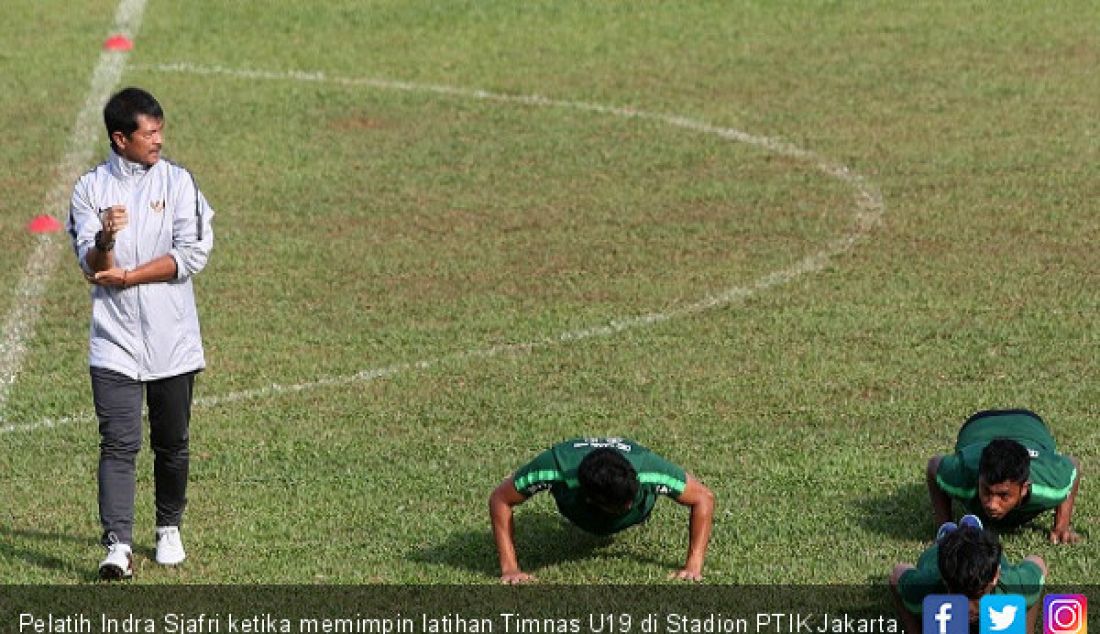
{"x": 20, "y": 323}
{"x": 869, "y": 212}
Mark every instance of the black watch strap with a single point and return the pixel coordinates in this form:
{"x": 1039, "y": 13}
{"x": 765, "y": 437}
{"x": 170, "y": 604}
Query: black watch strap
{"x": 102, "y": 245}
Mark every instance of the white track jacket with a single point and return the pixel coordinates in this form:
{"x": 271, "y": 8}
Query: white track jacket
{"x": 147, "y": 331}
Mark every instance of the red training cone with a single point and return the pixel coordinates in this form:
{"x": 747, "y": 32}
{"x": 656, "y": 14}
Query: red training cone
{"x": 118, "y": 43}
{"x": 44, "y": 224}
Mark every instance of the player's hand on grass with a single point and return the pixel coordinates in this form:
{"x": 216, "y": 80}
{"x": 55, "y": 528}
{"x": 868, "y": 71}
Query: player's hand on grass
{"x": 1064, "y": 536}
{"x": 517, "y": 577}
{"x": 686, "y": 575}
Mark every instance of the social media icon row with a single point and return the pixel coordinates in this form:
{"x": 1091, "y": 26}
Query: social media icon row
{"x": 1004, "y": 614}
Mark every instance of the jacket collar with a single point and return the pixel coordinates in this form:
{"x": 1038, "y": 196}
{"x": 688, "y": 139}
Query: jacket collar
{"x": 124, "y": 169}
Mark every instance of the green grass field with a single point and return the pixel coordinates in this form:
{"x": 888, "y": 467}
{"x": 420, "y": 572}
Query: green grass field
{"x": 416, "y": 286}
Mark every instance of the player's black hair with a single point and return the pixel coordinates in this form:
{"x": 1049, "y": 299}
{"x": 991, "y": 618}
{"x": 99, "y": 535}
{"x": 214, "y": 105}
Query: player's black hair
{"x": 607, "y": 478}
{"x": 1004, "y": 460}
{"x": 968, "y": 559}
{"x": 122, "y": 110}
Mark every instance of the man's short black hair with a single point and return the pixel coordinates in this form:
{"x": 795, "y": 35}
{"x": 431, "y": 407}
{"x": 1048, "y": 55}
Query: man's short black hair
{"x": 1004, "y": 460}
{"x": 122, "y": 110}
{"x": 607, "y": 478}
{"x": 968, "y": 559}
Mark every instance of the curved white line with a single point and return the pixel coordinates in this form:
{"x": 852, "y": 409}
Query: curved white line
{"x": 868, "y": 214}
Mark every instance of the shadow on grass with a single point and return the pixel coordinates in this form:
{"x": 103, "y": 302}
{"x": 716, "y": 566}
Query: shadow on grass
{"x": 542, "y": 539}
{"x": 907, "y": 514}
{"x": 1039, "y": 526}
{"x": 12, "y": 542}
{"x": 903, "y": 514}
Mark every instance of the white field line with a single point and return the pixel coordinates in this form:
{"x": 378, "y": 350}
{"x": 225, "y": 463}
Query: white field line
{"x": 867, "y": 214}
{"x": 21, "y": 320}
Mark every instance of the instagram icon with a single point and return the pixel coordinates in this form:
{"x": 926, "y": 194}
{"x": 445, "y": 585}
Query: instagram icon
{"x": 1065, "y": 614}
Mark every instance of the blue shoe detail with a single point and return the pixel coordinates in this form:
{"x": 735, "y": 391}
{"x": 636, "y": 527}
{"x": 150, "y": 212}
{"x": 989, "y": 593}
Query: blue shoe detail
{"x": 971, "y": 521}
{"x": 945, "y": 529}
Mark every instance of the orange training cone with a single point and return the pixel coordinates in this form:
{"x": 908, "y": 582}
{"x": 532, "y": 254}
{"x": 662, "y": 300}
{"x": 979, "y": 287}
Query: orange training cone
{"x": 44, "y": 224}
{"x": 118, "y": 43}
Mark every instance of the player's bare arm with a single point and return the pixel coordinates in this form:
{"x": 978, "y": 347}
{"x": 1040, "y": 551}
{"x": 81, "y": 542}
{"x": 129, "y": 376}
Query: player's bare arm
{"x": 701, "y": 501}
{"x": 941, "y": 502}
{"x": 910, "y": 622}
{"x": 503, "y": 498}
{"x": 1061, "y": 532}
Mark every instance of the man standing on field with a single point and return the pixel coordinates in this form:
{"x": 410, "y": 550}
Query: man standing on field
{"x": 141, "y": 229}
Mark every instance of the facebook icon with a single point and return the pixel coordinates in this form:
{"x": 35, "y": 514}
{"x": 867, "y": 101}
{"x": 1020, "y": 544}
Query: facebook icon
{"x": 945, "y": 614}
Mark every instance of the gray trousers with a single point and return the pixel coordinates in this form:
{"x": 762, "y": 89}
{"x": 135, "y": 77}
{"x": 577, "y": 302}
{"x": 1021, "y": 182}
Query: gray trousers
{"x": 118, "y": 405}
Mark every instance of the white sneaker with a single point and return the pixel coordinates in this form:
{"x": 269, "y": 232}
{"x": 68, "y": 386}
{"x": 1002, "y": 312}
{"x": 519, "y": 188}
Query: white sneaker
{"x": 169, "y": 546}
{"x": 118, "y": 564}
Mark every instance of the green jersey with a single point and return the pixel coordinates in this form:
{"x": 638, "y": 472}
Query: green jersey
{"x": 1052, "y": 474}
{"x": 556, "y": 470}
{"x": 1025, "y": 578}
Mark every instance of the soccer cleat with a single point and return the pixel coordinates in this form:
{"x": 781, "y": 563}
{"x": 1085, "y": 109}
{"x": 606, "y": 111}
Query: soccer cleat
{"x": 972, "y": 521}
{"x": 169, "y": 546}
{"x": 946, "y": 529}
{"x": 118, "y": 564}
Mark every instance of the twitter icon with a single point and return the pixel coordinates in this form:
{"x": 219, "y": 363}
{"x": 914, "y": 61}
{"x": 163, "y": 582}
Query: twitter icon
{"x": 1002, "y": 614}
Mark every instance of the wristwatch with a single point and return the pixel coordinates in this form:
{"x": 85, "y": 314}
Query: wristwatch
{"x": 101, "y": 244}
